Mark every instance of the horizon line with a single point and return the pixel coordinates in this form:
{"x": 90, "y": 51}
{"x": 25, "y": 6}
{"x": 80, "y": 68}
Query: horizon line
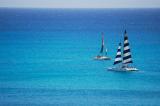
{"x": 84, "y": 7}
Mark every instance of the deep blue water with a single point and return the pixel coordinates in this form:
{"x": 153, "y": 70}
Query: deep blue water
{"x": 46, "y": 57}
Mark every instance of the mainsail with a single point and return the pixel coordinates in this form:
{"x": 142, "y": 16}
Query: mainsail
{"x": 118, "y": 58}
{"x": 126, "y": 50}
{"x": 102, "y": 47}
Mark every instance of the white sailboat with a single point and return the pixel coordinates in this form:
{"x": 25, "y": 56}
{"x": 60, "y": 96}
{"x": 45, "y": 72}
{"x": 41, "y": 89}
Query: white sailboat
{"x": 103, "y": 53}
{"x": 123, "y": 64}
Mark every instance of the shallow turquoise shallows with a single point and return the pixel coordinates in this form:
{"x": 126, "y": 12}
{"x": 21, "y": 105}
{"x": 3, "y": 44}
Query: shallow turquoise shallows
{"x": 46, "y": 57}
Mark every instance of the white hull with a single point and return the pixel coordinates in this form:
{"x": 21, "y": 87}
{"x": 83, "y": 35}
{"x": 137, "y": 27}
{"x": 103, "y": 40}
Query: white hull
{"x": 102, "y": 58}
{"x": 126, "y": 69}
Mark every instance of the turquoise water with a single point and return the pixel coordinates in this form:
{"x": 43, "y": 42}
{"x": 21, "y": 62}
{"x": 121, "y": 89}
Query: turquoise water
{"x": 46, "y": 57}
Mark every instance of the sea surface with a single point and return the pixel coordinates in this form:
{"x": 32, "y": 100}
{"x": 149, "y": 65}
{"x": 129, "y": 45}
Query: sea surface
{"x": 46, "y": 57}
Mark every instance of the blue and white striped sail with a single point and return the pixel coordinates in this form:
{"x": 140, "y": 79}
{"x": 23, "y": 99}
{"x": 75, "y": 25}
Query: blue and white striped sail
{"x": 127, "y": 58}
{"x": 118, "y": 58}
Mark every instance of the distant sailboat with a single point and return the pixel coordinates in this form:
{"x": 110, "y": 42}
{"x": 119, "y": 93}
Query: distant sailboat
{"x": 103, "y": 53}
{"x": 122, "y": 64}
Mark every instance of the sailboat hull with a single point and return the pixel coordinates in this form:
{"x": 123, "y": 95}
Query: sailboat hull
{"x": 126, "y": 69}
{"x": 102, "y": 58}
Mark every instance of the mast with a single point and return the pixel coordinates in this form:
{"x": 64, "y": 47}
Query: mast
{"x": 127, "y": 58}
{"x": 102, "y": 47}
{"x": 118, "y": 58}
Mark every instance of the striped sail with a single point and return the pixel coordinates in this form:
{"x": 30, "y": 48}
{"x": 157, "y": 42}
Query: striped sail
{"x": 118, "y": 58}
{"x": 102, "y": 47}
{"x": 127, "y": 58}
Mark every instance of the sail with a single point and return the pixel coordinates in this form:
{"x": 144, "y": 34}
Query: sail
{"x": 118, "y": 58}
{"x": 127, "y": 58}
{"x": 106, "y": 51}
{"x": 102, "y": 47}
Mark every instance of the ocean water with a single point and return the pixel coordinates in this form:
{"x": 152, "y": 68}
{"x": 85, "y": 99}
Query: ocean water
{"x": 46, "y": 57}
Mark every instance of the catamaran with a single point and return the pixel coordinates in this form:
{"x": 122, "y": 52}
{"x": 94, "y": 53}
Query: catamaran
{"x": 123, "y": 64}
{"x": 103, "y": 52}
